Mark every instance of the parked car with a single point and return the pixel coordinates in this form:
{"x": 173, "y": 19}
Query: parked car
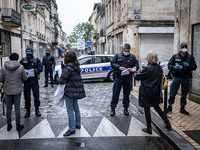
{"x": 167, "y": 72}
{"x": 93, "y": 66}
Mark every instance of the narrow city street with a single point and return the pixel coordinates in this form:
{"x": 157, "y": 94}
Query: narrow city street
{"x": 98, "y": 131}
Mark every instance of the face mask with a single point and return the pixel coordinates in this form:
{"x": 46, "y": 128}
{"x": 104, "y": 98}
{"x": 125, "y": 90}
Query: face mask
{"x": 184, "y": 50}
{"x": 29, "y": 55}
{"x": 126, "y": 53}
{"x": 48, "y": 54}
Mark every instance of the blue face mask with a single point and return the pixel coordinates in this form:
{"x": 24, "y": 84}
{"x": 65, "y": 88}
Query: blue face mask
{"x": 29, "y": 55}
{"x": 126, "y": 53}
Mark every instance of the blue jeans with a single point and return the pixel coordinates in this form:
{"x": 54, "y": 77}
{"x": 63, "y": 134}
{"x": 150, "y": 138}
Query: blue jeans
{"x": 185, "y": 87}
{"x": 126, "y": 83}
{"x": 72, "y": 107}
{"x": 9, "y": 102}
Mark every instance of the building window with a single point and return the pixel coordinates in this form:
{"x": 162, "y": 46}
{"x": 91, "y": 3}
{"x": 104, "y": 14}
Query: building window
{"x": 5, "y": 41}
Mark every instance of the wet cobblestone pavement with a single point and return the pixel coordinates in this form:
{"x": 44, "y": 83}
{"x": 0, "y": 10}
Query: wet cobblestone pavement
{"x": 96, "y": 102}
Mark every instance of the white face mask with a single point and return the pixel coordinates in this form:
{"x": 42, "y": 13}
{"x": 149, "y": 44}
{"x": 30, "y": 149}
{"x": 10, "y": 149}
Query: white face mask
{"x": 184, "y": 50}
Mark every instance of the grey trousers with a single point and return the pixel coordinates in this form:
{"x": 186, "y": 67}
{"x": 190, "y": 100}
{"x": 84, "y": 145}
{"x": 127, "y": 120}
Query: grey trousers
{"x": 10, "y": 99}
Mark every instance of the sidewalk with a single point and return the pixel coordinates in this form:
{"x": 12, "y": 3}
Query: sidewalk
{"x": 187, "y": 126}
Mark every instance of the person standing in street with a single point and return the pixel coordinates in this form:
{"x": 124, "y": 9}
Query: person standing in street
{"x": 13, "y": 75}
{"x": 48, "y": 62}
{"x": 73, "y": 91}
{"x": 124, "y": 64}
{"x": 181, "y": 64}
{"x": 150, "y": 90}
{"x": 33, "y": 67}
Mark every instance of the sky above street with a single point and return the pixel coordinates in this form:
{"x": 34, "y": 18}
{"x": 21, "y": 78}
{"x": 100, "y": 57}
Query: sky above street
{"x": 72, "y": 12}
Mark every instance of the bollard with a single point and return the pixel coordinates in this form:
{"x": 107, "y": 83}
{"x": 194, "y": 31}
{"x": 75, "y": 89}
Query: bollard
{"x": 134, "y": 74}
{"x": 165, "y": 99}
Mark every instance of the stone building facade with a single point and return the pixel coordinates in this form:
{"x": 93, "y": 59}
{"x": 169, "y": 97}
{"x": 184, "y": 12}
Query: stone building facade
{"x": 187, "y": 29}
{"x": 144, "y": 24}
{"x": 10, "y": 28}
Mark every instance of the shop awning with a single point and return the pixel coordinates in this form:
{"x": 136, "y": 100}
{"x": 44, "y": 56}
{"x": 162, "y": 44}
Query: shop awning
{"x": 60, "y": 48}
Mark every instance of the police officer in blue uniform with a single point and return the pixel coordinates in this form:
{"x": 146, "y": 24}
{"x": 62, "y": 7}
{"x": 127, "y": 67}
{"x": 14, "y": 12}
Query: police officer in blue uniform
{"x": 49, "y": 63}
{"x": 181, "y": 64}
{"x": 33, "y": 67}
{"x": 124, "y": 64}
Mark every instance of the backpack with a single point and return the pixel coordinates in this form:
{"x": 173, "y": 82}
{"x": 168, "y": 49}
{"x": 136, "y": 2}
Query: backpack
{"x": 164, "y": 82}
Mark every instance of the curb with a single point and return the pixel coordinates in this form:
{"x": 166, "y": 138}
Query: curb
{"x": 172, "y": 137}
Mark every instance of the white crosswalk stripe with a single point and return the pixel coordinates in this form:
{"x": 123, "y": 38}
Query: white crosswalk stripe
{"x": 41, "y": 130}
{"x": 106, "y": 128}
{"x": 9, "y": 135}
{"x": 135, "y": 128}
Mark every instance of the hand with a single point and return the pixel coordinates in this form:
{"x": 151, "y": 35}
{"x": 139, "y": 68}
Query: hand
{"x": 56, "y": 72}
{"x": 121, "y": 68}
{"x": 176, "y": 67}
{"x": 185, "y": 64}
{"x": 53, "y": 69}
{"x": 131, "y": 69}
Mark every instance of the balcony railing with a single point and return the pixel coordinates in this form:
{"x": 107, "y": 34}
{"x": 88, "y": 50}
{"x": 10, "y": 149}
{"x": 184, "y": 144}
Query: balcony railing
{"x": 11, "y": 17}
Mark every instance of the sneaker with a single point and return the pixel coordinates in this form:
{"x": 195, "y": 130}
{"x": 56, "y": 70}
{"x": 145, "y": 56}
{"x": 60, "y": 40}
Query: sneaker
{"x": 147, "y": 130}
{"x": 169, "y": 109}
{"x": 126, "y": 113}
{"x": 112, "y": 113}
{"x": 9, "y": 127}
{"x": 19, "y": 127}
{"x": 68, "y": 133}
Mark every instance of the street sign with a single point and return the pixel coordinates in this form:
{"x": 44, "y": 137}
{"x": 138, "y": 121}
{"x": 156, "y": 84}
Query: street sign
{"x": 88, "y": 43}
{"x": 29, "y": 7}
{"x": 80, "y": 44}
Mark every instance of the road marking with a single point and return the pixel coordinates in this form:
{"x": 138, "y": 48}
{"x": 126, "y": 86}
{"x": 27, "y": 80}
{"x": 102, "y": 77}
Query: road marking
{"x": 135, "y": 128}
{"x": 79, "y": 133}
{"x": 106, "y": 128}
{"x": 9, "y": 135}
{"x": 41, "y": 130}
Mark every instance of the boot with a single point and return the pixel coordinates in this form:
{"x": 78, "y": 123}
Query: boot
{"x": 112, "y": 113}
{"x": 183, "y": 111}
{"x": 147, "y": 130}
{"x": 126, "y": 113}
{"x": 19, "y": 127}
{"x": 169, "y": 109}
{"x": 37, "y": 112}
{"x": 46, "y": 85}
{"x": 27, "y": 114}
{"x": 168, "y": 125}
{"x": 52, "y": 85}
{"x": 9, "y": 127}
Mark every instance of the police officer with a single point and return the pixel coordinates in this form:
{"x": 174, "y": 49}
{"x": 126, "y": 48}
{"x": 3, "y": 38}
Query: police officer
{"x": 181, "y": 64}
{"x": 124, "y": 64}
{"x": 49, "y": 63}
{"x": 33, "y": 67}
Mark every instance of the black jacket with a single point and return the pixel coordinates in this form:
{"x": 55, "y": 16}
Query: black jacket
{"x": 73, "y": 82}
{"x": 184, "y": 72}
{"x": 48, "y": 61}
{"x": 120, "y": 60}
{"x": 150, "y": 88}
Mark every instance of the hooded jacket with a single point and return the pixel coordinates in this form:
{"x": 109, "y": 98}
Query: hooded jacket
{"x": 150, "y": 88}
{"x": 12, "y": 75}
{"x": 73, "y": 82}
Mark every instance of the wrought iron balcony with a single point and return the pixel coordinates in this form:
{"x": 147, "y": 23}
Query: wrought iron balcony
{"x": 11, "y": 17}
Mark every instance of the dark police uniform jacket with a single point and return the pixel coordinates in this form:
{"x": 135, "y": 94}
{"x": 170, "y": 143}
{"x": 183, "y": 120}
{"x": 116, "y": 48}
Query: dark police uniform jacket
{"x": 183, "y": 71}
{"x": 33, "y": 63}
{"x": 120, "y": 60}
